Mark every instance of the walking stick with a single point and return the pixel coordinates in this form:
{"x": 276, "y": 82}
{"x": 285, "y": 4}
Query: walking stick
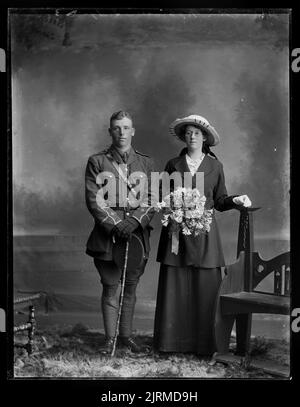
{"x": 121, "y": 298}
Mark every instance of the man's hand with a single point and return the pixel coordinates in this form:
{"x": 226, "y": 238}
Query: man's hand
{"x": 242, "y": 200}
{"x": 124, "y": 229}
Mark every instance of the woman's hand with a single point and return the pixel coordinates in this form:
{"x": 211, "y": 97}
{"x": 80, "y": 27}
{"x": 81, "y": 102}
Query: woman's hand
{"x": 242, "y": 200}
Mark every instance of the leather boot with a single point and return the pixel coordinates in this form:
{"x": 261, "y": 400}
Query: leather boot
{"x": 106, "y": 349}
{"x": 130, "y": 344}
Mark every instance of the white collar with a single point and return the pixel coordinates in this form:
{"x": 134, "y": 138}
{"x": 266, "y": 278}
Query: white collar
{"x": 193, "y": 160}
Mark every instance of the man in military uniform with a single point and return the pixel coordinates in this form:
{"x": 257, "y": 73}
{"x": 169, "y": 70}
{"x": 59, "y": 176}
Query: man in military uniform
{"x": 118, "y": 221}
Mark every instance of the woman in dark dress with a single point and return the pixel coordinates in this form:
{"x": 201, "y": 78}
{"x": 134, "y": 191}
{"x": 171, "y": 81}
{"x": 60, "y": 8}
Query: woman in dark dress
{"x": 189, "y": 280}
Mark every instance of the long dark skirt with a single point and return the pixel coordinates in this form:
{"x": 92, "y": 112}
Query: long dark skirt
{"x": 184, "y": 315}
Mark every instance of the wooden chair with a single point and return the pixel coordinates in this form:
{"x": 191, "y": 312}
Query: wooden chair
{"x": 30, "y": 325}
{"x": 238, "y": 298}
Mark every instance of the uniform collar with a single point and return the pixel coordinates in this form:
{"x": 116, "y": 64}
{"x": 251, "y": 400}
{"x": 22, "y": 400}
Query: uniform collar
{"x": 117, "y": 157}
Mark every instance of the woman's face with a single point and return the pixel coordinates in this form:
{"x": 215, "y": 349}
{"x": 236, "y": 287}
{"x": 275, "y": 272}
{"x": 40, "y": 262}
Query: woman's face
{"x": 194, "y": 138}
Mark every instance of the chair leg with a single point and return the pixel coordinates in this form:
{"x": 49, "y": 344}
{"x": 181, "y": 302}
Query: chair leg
{"x": 243, "y": 333}
{"x": 31, "y": 329}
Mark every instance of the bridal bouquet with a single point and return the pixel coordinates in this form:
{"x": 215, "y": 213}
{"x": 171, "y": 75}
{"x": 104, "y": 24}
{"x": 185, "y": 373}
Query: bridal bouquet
{"x": 184, "y": 210}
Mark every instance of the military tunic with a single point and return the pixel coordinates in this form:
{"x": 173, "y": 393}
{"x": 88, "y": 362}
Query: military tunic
{"x": 100, "y": 241}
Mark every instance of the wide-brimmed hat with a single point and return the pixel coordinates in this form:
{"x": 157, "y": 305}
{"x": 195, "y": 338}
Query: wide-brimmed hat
{"x": 176, "y": 128}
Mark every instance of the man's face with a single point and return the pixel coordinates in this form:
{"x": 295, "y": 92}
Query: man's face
{"x": 121, "y": 132}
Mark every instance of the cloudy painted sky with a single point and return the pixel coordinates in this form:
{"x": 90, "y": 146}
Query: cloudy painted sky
{"x": 231, "y": 69}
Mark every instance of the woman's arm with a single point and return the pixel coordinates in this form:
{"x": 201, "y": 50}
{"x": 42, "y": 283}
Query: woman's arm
{"x": 223, "y": 202}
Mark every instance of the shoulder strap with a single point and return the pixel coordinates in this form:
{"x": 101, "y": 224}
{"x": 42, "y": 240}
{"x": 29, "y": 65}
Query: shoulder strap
{"x": 124, "y": 178}
{"x": 142, "y": 154}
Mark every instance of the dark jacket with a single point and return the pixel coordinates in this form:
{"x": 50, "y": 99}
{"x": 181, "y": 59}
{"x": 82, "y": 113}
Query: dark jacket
{"x": 100, "y": 241}
{"x": 204, "y": 250}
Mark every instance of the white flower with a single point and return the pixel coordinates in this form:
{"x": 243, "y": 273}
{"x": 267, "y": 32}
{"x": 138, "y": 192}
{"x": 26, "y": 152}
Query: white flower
{"x": 185, "y": 209}
{"x": 186, "y": 231}
{"x": 178, "y": 215}
{"x": 165, "y": 220}
{"x": 188, "y": 214}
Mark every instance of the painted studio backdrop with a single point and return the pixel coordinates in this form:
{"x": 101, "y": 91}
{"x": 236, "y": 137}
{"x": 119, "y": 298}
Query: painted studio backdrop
{"x": 69, "y": 74}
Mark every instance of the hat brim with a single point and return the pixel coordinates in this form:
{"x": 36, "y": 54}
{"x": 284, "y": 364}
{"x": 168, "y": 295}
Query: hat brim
{"x": 176, "y": 128}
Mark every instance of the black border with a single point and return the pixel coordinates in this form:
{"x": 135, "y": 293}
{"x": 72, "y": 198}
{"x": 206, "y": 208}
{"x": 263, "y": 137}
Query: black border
{"x": 87, "y": 392}
{"x": 295, "y": 218}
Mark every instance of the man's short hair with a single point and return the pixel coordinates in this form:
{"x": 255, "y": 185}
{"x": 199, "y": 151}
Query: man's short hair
{"x": 119, "y": 115}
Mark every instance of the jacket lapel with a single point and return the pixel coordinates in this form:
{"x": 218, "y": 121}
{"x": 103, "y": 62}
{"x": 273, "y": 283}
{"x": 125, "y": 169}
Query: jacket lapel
{"x": 205, "y": 166}
{"x": 113, "y": 156}
{"x": 181, "y": 165}
{"x": 131, "y": 156}
{"x": 115, "y": 159}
